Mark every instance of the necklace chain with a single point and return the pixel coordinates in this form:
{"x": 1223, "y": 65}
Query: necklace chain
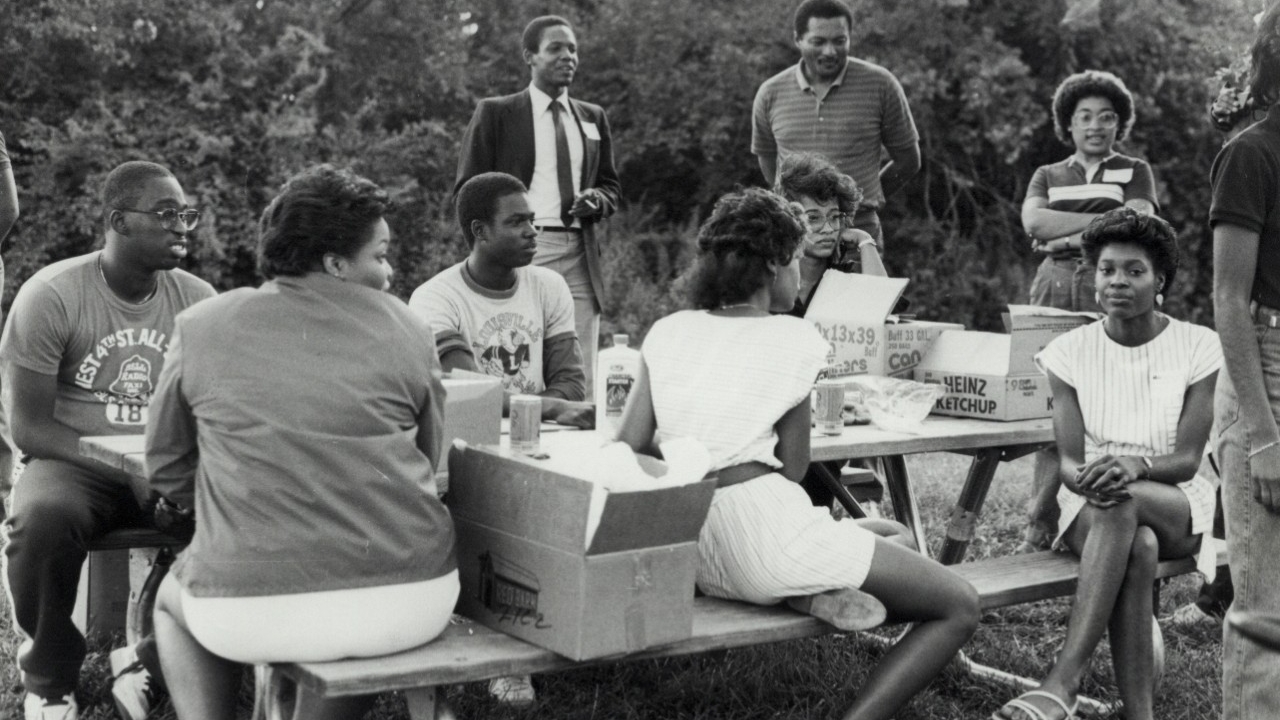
{"x": 102, "y": 274}
{"x": 736, "y": 305}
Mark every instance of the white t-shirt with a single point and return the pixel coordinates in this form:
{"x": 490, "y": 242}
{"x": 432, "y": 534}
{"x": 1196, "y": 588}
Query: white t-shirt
{"x": 504, "y": 330}
{"x": 726, "y": 381}
{"x": 1131, "y": 397}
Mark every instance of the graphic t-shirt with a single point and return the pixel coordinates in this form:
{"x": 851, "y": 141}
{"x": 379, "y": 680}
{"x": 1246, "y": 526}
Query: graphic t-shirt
{"x": 106, "y": 353}
{"x": 504, "y": 330}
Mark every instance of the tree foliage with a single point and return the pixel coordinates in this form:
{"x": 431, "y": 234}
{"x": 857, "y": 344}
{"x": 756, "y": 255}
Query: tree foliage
{"x": 236, "y": 95}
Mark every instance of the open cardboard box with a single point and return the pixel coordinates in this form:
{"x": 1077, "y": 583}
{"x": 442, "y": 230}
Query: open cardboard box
{"x": 852, "y": 312}
{"x": 531, "y": 567}
{"x": 992, "y": 375}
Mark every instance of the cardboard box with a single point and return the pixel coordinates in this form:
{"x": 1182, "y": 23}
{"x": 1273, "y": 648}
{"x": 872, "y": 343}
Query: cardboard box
{"x": 974, "y": 367}
{"x": 1031, "y": 328}
{"x": 529, "y": 569}
{"x": 852, "y": 313}
{"x": 472, "y": 413}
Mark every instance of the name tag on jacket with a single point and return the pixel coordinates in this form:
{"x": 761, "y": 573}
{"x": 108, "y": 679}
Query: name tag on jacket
{"x": 1117, "y": 175}
{"x": 591, "y": 131}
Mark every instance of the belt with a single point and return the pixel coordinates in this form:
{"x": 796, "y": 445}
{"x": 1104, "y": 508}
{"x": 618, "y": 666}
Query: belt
{"x": 556, "y": 228}
{"x": 1265, "y": 315}
{"x": 741, "y": 473}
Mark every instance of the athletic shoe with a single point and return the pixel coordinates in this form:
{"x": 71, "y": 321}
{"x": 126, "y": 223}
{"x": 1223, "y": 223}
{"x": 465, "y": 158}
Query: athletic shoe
{"x": 132, "y": 689}
{"x": 35, "y": 707}
{"x": 848, "y": 609}
{"x": 513, "y": 690}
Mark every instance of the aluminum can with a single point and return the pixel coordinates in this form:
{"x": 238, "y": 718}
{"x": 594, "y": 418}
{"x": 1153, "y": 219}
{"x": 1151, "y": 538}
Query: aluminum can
{"x": 829, "y": 407}
{"x": 525, "y": 414}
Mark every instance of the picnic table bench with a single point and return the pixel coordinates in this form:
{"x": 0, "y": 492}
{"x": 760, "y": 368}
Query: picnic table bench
{"x": 470, "y": 652}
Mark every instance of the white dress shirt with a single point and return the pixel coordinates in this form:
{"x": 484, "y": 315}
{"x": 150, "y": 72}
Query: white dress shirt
{"x": 544, "y": 187}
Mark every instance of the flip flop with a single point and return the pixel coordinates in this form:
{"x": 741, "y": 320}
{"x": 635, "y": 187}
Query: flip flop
{"x": 1034, "y": 712}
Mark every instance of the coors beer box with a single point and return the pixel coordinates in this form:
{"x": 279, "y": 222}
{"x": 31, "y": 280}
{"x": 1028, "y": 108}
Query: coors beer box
{"x": 544, "y": 556}
{"x": 852, "y": 311}
{"x": 993, "y": 375}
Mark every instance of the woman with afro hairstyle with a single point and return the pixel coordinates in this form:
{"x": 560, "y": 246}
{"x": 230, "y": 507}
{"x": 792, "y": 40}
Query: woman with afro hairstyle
{"x": 1092, "y": 111}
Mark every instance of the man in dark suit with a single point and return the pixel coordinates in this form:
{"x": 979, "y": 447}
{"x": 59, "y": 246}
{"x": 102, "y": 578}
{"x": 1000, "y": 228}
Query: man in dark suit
{"x": 561, "y": 150}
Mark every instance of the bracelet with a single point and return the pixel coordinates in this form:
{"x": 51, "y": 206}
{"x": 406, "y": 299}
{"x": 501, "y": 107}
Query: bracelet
{"x": 1268, "y": 446}
{"x": 866, "y": 241}
{"x": 1146, "y": 460}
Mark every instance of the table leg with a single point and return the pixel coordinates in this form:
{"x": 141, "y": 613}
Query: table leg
{"x": 838, "y": 489}
{"x": 905, "y": 508}
{"x": 964, "y": 517}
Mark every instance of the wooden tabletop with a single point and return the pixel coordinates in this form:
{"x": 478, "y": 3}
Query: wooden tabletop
{"x": 937, "y": 434}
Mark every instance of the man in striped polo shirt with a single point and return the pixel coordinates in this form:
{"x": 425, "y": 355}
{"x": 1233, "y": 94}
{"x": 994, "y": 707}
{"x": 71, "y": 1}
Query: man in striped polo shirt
{"x": 840, "y": 107}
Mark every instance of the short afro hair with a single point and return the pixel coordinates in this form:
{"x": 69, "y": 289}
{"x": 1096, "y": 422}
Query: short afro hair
{"x": 531, "y": 39}
{"x": 1126, "y": 225}
{"x": 478, "y": 199}
{"x": 321, "y": 210}
{"x": 1091, "y": 83}
{"x": 822, "y": 9}
{"x": 746, "y": 231}
{"x": 812, "y": 175}
{"x": 123, "y": 185}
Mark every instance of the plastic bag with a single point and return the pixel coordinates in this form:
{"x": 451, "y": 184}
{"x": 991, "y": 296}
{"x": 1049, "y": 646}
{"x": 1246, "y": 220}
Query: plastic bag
{"x": 893, "y": 404}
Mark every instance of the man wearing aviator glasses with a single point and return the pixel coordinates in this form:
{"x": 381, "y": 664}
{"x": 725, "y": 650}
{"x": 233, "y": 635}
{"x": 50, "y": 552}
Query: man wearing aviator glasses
{"x": 82, "y": 350}
{"x": 1092, "y": 111}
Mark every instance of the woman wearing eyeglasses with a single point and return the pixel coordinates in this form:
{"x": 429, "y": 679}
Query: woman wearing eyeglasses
{"x": 829, "y": 198}
{"x": 1092, "y": 111}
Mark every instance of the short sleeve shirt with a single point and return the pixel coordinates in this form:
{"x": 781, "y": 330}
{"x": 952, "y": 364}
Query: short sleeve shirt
{"x": 106, "y": 353}
{"x": 1115, "y": 181}
{"x": 504, "y": 330}
{"x": 1246, "y": 186}
{"x": 862, "y": 112}
{"x": 1131, "y": 397}
{"x": 727, "y": 381}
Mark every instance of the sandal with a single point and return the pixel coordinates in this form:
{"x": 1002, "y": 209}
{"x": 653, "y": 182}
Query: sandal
{"x": 1035, "y": 713}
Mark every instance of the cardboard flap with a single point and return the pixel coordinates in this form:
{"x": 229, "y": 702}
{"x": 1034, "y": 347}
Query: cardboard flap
{"x": 509, "y": 491}
{"x": 855, "y": 298}
{"x": 665, "y": 516}
{"x": 1035, "y": 317}
{"x": 969, "y": 352}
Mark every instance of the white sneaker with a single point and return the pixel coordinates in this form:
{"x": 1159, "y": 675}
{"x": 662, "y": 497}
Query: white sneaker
{"x": 35, "y": 707}
{"x": 132, "y": 689}
{"x": 513, "y": 690}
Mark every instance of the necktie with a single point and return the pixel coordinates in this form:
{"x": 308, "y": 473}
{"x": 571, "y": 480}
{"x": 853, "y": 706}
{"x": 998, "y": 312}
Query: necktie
{"x": 564, "y": 169}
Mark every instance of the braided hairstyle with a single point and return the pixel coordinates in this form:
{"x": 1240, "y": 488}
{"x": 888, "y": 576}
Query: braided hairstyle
{"x": 1264, "y": 83}
{"x": 747, "y": 230}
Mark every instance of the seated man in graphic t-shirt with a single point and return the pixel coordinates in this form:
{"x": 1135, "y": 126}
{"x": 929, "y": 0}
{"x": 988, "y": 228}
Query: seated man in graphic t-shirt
{"x": 82, "y": 351}
{"x": 496, "y": 313}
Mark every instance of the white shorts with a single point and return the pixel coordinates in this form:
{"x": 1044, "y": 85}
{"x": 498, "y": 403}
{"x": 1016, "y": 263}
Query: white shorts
{"x": 322, "y": 626}
{"x": 765, "y": 541}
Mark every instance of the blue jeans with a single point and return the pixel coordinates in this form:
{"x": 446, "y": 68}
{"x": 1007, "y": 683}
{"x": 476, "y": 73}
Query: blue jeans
{"x": 1066, "y": 284}
{"x": 1249, "y": 671}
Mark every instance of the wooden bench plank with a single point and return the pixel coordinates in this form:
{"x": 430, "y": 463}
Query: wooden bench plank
{"x": 1016, "y": 579}
{"x": 469, "y": 652}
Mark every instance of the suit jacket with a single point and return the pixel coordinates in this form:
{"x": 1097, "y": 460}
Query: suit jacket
{"x": 500, "y": 139}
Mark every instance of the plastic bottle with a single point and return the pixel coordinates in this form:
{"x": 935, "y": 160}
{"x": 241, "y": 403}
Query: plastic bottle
{"x": 616, "y": 371}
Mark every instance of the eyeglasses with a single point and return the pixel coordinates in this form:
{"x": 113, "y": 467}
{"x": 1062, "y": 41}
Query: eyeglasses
{"x": 817, "y": 221}
{"x": 1104, "y": 119}
{"x": 169, "y": 218}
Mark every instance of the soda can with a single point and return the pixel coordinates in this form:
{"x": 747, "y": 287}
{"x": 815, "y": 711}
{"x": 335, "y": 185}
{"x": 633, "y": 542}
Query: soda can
{"x": 526, "y": 423}
{"x": 829, "y": 407}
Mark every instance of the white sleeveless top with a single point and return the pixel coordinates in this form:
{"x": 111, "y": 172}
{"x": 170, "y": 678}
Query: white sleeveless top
{"x": 726, "y": 381}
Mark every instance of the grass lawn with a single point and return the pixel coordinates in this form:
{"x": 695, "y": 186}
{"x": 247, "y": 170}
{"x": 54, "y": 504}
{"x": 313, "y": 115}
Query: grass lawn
{"x": 815, "y": 678}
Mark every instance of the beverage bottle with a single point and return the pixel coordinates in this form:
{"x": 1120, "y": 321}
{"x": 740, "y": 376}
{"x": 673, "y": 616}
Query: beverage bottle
{"x": 616, "y": 371}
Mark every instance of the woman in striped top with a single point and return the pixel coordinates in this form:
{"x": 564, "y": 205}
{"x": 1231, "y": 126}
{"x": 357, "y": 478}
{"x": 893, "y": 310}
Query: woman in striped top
{"x": 1133, "y": 403}
{"x": 738, "y": 379}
